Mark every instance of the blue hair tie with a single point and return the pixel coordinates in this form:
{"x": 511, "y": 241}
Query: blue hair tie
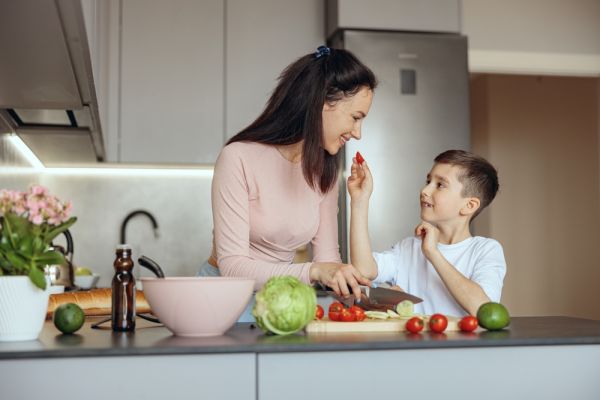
{"x": 322, "y": 51}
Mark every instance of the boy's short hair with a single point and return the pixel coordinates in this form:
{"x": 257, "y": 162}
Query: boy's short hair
{"x": 478, "y": 177}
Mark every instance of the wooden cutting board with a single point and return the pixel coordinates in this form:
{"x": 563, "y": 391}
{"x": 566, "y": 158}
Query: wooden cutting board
{"x": 370, "y": 325}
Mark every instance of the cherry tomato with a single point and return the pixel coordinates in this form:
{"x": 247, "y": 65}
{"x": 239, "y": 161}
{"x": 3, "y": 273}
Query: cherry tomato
{"x": 415, "y": 325}
{"x": 336, "y": 306}
{"x": 358, "y": 313}
{"x": 468, "y": 324}
{"x": 335, "y": 310}
{"x": 319, "y": 312}
{"x": 438, "y": 323}
{"x": 346, "y": 315}
{"x": 359, "y": 158}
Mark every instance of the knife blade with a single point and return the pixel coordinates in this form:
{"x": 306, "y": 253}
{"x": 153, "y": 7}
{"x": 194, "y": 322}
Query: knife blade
{"x": 377, "y": 298}
{"x": 380, "y": 295}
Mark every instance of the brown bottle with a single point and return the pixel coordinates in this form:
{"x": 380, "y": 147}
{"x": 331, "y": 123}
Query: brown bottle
{"x": 123, "y": 291}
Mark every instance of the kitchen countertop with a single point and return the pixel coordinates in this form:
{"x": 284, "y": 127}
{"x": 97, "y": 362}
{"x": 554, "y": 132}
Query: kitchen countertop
{"x": 153, "y": 339}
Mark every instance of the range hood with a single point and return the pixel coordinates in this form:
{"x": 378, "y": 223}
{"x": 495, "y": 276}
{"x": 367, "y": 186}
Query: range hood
{"x": 47, "y": 94}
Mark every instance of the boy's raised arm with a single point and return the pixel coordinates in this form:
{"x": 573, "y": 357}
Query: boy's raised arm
{"x": 468, "y": 294}
{"x": 360, "y": 187}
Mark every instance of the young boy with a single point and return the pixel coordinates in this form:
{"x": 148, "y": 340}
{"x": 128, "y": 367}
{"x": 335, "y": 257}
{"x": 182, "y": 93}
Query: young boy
{"x": 452, "y": 271}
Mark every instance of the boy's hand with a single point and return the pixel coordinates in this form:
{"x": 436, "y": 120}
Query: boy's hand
{"x": 360, "y": 181}
{"x": 429, "y": 236}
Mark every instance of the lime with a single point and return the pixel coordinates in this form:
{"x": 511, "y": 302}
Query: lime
{"x": 83, "y": 271}
{"x": 68, "y": 317}
{"x": 493, "y": 316}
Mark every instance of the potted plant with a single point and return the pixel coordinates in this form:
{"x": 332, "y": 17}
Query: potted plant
{"x": 29, "y": 221}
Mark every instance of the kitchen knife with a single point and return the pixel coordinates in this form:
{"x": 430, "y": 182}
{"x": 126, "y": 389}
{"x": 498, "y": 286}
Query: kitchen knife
{"x": 380, "y": 295}
{"x": 374, "y": 298}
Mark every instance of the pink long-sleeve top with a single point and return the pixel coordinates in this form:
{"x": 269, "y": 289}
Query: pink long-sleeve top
{"x": 263, "y": 210}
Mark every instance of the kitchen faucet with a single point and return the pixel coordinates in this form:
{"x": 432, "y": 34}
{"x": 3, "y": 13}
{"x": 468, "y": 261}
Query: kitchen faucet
{"x": 133, "y": 214}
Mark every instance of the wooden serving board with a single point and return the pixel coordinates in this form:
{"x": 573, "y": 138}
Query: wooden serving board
{"x": 371, "y": 325}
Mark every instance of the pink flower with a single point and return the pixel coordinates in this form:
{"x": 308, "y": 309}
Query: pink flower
{"x": 68, "y": 207}
{"x": 38, "y": 190}
{"x": 18, "y": 209}
{"x": 36, "y": 219}
{"x": 33, "y": 205}
{"x": 15, "y": 196}
{"x": 37, "y": 205}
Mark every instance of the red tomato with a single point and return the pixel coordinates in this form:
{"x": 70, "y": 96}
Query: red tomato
{"x": 468, "y": 324}
{"x": 335, "y": 309}
{"x": 438, "y": 323}
{"x": 359, "y": 158}
{"x": 415, "y": 325}
{"x": 333, "y": 316}
{"x": 319, "y": 312}
{"x": 358, "y": 313}
{"x": 346, "y": 315}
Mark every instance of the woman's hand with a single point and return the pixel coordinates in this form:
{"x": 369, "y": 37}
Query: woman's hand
{"x": 341, "y": 278}
{"x": 360, "y": 182}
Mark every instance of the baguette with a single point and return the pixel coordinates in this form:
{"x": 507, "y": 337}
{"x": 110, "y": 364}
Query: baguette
{"x": 94, "y": 302}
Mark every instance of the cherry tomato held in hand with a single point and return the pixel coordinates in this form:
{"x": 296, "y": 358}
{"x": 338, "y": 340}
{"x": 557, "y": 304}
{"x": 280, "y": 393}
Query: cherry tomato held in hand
{"x": 335, "y": 309}
{"x": 438, "y": 323}
{"x": 468, "y": 324}
{"x": 358, "y": 313}
{"x": 359, "y": 158}
{"x": 415, "y": 325}
{"x": 319, "y": 312}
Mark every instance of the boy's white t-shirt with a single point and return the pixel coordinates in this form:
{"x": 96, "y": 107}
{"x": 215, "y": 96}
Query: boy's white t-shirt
{"x": 477, "y": 258}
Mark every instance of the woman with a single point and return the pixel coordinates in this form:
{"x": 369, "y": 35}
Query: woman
{"x": 275, "y": 183}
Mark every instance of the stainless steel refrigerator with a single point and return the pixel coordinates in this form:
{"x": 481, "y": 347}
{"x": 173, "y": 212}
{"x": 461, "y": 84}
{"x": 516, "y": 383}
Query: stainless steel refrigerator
{"x": 420, "y": 108}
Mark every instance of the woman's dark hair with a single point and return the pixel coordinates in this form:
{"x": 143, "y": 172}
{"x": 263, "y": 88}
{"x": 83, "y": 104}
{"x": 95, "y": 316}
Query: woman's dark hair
{"x": 294, "y": 111}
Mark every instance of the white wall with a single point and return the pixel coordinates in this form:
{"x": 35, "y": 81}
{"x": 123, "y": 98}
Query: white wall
{"x": 559, "y": 37}
{"x": 543, "y": 135}
{"x": 179, "y": 201}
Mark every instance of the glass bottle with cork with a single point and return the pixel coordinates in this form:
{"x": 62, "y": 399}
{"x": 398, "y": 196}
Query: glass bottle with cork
{"x": 123, "y": 291}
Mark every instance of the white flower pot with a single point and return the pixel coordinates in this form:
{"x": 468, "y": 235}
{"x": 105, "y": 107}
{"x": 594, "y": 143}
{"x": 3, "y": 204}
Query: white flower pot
{"x": 22, "y": 308}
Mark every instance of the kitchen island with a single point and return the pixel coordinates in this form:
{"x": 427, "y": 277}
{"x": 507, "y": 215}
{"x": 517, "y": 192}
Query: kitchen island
{"x": 537, "y": 357}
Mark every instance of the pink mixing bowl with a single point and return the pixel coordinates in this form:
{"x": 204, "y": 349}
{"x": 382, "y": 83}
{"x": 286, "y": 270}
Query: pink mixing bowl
{"x": 198, "y": 306}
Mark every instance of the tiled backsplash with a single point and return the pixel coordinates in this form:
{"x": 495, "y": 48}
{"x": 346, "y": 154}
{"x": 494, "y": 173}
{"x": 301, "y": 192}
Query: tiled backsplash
{"x": 180, "y": 203}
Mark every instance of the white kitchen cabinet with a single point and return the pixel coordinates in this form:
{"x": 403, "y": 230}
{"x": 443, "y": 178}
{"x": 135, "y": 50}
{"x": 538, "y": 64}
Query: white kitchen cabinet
{"x": 171, "y": 83}
{"x": 176, "y": 79}
{"x": 181, "y": 377}
{"x": 518, "y": 372}
{"x": 262, "y": 38}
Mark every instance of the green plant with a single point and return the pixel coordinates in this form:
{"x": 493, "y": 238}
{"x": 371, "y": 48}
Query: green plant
{"x": 29, "y": 221}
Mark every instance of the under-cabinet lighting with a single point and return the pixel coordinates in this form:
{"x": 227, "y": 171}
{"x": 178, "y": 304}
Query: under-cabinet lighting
{"x": 205, "y": 171}
{"x": 202, "y": 172}
{"x": 25, "y": 151}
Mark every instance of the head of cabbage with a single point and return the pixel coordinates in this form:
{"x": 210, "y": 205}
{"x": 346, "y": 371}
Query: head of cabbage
{"x": 284, "y": 305}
